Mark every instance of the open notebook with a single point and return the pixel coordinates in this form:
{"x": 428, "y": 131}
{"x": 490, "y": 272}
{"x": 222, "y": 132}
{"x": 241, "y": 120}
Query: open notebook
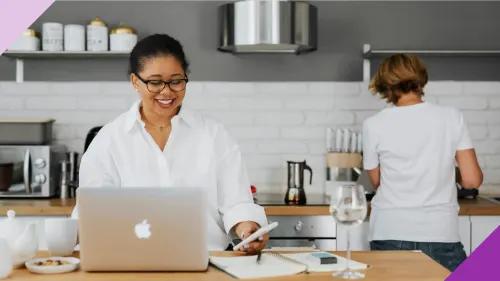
{"x": 276, "y": 265}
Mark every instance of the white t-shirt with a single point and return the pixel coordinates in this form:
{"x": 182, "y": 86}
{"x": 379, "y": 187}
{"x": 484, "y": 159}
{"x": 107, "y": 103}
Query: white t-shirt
{"x": 199, "y": 152}
{"x": 415, "y": 147}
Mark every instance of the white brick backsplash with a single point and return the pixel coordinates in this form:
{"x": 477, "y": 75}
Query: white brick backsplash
{"x": 77, "y": 88}
{"x": 51, "y": 103}
{"x": 11, "y": 103}
{"x": 228, "y": 88}
{"x": 310, "y": 103}
{"x": 255, "y": 132}
{"x": 465, "y": 103}
{"x": 488, "y": 147}
{"x": 478, "y": 132}
{"x": 329, "y": 118}
{"x": 438, "y": 88}
{"x": 481, "y": 88}
{"x": 282, "y": 146}
{"x": 26, "y": 88}
{"x": 482, "y": 117}
{"x": 273, "y": 121}
{"x": 263, "y": 161}
{"x": 492, "y": 161}
{"x": 491, "y": 176}
{"x": 367, "y": 102}
{"x": 279, "y": 118}
{"x": 260, "y": 102}
{"x": 495, "y": 103}
{"x": 339, "y": 88}
{"x": 282, "y": 88}
{"x": 494, "y": 132}
{"x": 103, "y": 103}
{"x": 304, "y": 133}
{"x": 232, "y": 118}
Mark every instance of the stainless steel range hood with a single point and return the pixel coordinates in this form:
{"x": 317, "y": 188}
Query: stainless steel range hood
{"x": 268, "y": 26}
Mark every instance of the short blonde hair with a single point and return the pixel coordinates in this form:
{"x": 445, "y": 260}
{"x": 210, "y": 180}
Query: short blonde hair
{"x": 399, "y": 74}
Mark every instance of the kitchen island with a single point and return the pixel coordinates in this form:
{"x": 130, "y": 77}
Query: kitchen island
{"x": 385, "y": 266}
{"x": 64, "y": 207}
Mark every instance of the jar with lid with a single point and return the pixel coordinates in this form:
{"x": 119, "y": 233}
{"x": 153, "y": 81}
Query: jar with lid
{"x": 123, "y": 38}
{"x": 97, "y": 35}
{"x": 52, "y": 36}
{"x": 28, "y": 41}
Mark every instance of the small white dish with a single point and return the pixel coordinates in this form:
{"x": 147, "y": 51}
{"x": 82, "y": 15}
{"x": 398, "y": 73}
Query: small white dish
{"x": 71, "y": 264}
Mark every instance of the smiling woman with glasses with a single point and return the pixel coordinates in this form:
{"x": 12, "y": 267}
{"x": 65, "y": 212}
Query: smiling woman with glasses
{"x": 160, "y": 142}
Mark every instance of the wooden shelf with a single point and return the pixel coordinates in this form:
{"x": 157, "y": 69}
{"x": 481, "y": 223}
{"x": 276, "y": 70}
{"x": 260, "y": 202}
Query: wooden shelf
{"x": 479, "y": 53}
{"x": 369, "y": 53}
{"x": 64, "y": 55}
{"x": 20, "y": 56}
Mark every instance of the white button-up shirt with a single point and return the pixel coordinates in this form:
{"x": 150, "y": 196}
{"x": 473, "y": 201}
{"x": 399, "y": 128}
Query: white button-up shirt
{"x": 199, "y": 152}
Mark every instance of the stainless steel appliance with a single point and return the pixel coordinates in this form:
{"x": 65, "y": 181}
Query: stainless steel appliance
{"x": 295, "y": 193}
{"x": 35, "y": 170}
{"x": 319, "y": 231}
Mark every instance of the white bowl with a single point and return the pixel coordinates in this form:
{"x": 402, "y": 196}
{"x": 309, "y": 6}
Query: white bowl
{"x": 74, "y": 263}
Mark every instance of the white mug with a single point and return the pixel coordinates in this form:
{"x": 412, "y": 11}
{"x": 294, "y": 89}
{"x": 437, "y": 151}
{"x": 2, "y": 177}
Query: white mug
{"x": 5, "y": 259}
{"x": 61, "y": 235}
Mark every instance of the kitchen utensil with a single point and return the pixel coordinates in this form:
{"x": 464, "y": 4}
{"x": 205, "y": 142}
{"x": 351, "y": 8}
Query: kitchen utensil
{"x": 360, "y": 142}
{"x": 52, "y": 36}
{"x": 295, "y": 193}
{"x": 346, "y": 141}
{"x": 338, "y": 140}
{"x": 73, "y": 166}
{"x": 354, "y": 143}
{"x": 329, "y": 140}
{"x": 74, "y": 37}
{"x": 6, "y": 172}
{"x": 97, "y": 35}
{"x": 64, "y": 192}
{"x": 123, "y": 38}
{"x": 26, "y": 132}
{"x": 28, "y": 41}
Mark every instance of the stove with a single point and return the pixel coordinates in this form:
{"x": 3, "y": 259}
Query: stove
{"x": 304, "y": 232}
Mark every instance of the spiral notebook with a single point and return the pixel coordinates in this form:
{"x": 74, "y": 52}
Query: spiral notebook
{"x": 276, "y": 265}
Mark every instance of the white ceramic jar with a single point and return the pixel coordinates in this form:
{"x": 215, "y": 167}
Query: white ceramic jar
{"x": 52, "y": 36}
{"x": 28, "y": 41}
{"x": 97, "y": 36}
{"x": 122, "y": 38}
{"x": 74, "y": 37}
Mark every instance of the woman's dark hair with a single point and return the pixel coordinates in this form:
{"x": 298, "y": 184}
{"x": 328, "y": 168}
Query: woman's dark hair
{"x": 156, "y": 45}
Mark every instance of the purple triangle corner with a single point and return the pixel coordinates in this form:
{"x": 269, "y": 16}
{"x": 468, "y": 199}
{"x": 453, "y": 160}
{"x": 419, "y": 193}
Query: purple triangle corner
{"x": 482, "y": 264}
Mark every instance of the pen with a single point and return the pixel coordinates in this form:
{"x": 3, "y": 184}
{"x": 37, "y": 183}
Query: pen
{"x": 258, "y": 257}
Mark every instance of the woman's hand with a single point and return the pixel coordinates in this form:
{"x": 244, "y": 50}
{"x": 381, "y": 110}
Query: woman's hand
{"x": 245, "y": 229}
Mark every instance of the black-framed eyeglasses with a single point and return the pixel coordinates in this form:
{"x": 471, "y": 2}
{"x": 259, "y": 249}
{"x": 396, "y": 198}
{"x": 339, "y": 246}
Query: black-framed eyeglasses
{"x": 156, "y": 85}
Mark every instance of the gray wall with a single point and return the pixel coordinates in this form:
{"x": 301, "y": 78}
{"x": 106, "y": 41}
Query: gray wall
{"x": 344, "y": 27}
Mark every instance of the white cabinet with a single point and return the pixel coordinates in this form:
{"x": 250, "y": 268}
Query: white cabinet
{"x": 42, "y": 245}
{"x": 358, "y": 237}
{"x": 482, "y": 227}
{"x": 464, "y": 231}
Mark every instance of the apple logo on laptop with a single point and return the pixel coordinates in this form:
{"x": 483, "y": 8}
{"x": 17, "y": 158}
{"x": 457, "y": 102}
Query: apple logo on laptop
{"x": 143, "y": 230}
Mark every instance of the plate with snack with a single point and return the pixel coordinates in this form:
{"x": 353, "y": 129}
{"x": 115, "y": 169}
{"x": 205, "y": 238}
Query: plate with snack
{"x": 53, "y": 265}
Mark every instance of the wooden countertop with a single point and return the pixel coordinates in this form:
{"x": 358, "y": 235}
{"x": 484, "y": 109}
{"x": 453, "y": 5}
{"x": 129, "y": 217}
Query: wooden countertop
{"x": 385, "y": 266}
{"x": 64, "y": 207}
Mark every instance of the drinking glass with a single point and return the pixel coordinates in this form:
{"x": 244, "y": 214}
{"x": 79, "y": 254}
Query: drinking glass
{"x": 348, "y": 207}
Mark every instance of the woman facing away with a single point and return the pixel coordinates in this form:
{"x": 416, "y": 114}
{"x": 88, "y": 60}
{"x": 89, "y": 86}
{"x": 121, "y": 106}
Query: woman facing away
{"x": 410, "y": 152}
{"x": 159, "y": 142}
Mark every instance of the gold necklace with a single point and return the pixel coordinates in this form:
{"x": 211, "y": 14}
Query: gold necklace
{"x": 160, "y": 128}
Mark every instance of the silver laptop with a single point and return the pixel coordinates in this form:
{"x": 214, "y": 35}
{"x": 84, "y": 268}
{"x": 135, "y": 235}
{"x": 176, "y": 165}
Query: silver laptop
{"x": 142, "y": 229}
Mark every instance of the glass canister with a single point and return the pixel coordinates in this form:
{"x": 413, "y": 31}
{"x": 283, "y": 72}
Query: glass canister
{"x": 97, "y": 35}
